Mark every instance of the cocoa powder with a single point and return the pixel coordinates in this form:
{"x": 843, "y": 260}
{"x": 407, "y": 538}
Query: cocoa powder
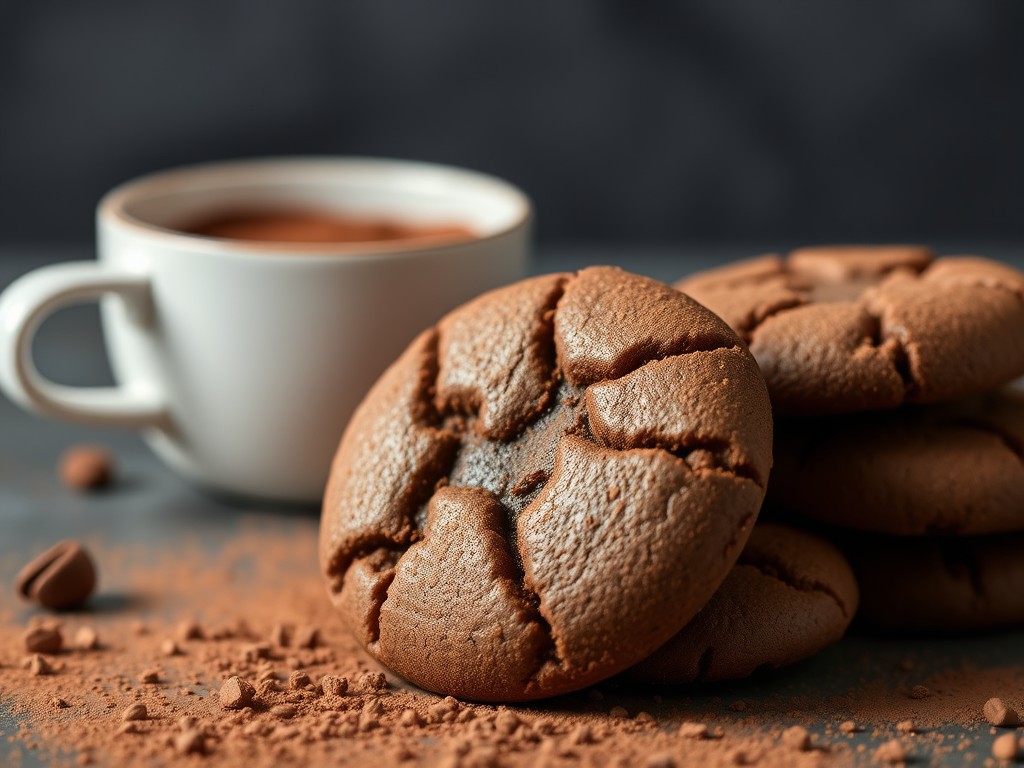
{"x": 306, "y": 694}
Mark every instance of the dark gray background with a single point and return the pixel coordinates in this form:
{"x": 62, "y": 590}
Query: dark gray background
{"x": 732, "y": 120}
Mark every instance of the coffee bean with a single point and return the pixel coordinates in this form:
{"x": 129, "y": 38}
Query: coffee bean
{"x": 86, "y": 468}
{"x": 61, "y": 577}
{"x": 43, "y": 639}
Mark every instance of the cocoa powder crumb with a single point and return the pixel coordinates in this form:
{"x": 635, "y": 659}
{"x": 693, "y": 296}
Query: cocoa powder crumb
{"x": 1006, "y": 747}
{"x": 149, "y": 676}
{"x": 39, "y": 665}
{"x": 919, "y": 692}
{"x": 410, "y": 718}
{"x": 190, "y": 742}
{"x": 190, "y": 630}
{"x": 136, "y": 711}
{"x": 618, "y": 712}
{"x": 299, "y": 680}
{"x": 891, "y": 753}
{"x": 280, "y": 635}
{"x": 87, "y": 639}
{"x": 307, "y": 637}
{"x": 376, "y": 681}
{"x": 236, "y": 693}
{"x": 906, "y": 726}
{"x": 797, "y": 738}
{"x": 284, "y": 711}
{"x": 170, "y": 648}
{"x": 848, "y": 726}
{"x": 58, "y": 703}
{"x": 690, "y": 730}
{"x": 333, "y": 685}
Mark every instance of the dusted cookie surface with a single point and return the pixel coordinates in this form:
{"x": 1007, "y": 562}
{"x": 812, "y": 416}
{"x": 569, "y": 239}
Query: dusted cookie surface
{"x": 955, "y": 468}
{"x": 546, "y": 486}
{"x": 853, "y": 328}
{"x": 789, "y": 595}
{"x": 940, "y": 585}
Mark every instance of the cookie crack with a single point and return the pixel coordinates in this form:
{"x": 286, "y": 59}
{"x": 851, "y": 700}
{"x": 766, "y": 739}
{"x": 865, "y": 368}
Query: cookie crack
{"x": 775, "y": 568}
{"x": 895, "y": 347}
{"x": 700, "y": 453}
{"x": 547, "y": 654}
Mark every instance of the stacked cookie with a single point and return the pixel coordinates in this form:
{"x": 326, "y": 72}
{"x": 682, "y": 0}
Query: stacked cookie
{"x": 553, "y": 483}
{"x": 887, "y": 368}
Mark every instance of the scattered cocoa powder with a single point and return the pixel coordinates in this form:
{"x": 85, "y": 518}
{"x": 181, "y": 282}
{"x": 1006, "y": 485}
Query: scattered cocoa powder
{"x": 326, "y": 702}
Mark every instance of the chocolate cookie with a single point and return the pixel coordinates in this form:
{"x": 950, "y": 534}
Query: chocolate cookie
{"x": 955, "y": 468}
{"x": 546, "y": 486}
{"x": 854, "y": 328}
{"x": 943, "y": 585}
{"x": 789, "y": 595}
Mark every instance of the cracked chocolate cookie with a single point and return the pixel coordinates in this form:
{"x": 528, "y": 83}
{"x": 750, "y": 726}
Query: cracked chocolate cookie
{"x": 790, "y": 595}
{"x": 939, "y": 585}
{"x": 950, "y": 469}
{"x": 854, "y": 328}
{"x": 546, "y": 486}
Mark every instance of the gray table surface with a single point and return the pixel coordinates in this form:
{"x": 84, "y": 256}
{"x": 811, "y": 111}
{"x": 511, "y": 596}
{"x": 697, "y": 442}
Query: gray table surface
{"x": 154, "y": 507}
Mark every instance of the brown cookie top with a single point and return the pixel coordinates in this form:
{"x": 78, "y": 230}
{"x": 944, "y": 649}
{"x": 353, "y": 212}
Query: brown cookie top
{"x": 939, "y": 585}
{"x": 790, "y": 595}
{"x": 853, "y": 328}
{"x": 950, "y": 469}
{"x": 546, "y": 486}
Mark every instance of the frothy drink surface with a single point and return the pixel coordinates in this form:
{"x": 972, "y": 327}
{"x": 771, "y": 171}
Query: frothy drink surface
{"x": 299, "y": 226}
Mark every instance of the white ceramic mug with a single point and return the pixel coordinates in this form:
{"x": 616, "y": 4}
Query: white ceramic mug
{"x": 242, "y": 361}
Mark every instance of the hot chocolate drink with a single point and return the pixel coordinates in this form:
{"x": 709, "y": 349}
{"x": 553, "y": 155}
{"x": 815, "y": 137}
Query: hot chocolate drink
{"x": 284, "y": 225}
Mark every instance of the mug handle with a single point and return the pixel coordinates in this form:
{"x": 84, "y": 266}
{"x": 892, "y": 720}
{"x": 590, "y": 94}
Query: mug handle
{"x": 30, "y": 299}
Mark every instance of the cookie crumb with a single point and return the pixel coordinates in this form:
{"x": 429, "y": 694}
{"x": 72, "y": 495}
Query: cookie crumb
{"x": 190, "y": 742}
{"x": 87, "y": 639}
{"x": 190, "y": 630}
{"x": 998, "y": 713}
{"x": 281, "y": 635}
{"x": 906, "y": 726}
{"x": 891, "y": 753}
{"x": 661, "y": 760}
{"x": 797, "y": 738}
{"x": 409, "y": 717}
{"x": 236, "y": 693}
{"x": 1006, "y": 747}
{"x": 307, "y": 637}
{"x": 170, "y": 648}
{"x": 39, "y": 665}
{"x": 375, "y": 681}
{"x": 299, "y": 680}
{"x": 693, "y": 730}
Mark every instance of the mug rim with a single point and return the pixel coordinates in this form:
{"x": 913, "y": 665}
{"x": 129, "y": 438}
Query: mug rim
{"x": 112, "y": 208}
